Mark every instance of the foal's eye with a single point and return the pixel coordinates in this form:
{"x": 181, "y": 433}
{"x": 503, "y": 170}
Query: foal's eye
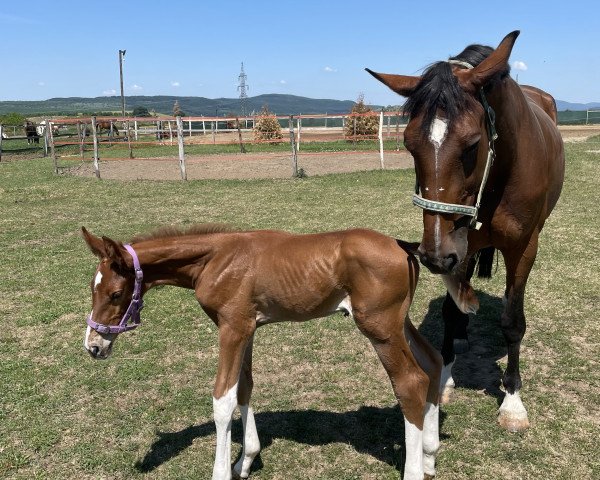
{"x": 116, "y": 295}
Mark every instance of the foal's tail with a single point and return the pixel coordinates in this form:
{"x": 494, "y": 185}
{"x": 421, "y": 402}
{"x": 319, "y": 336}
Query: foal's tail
{"x": 410, "y": 247}
{"x": 484, "y": 260}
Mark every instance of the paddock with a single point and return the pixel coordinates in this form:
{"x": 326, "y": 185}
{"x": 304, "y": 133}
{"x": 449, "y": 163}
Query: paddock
{"x": 147, "y": 413}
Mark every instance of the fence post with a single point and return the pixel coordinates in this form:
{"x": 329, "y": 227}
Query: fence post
{"x": 51, "y": 143}
{"x": 126, "y": 125}
{"x": 190, "y": 128}
{"x": 96, "y": 157}
{"x": 181, "y": 150}
{"x": 242, "y": 148}
{"x": 45, "y": 141}
{"x": 1, "y": 137}
{"x": 294, "y": 152}
{"x": 381, "y": 139}
{"x": 135, "y": 129}
{"x": 299, "y": 124}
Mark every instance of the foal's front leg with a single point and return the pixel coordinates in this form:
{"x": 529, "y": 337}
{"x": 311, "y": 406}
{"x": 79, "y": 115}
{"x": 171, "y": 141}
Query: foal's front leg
{"x": 251, "y": 445}
{"x": 231, "y": 350}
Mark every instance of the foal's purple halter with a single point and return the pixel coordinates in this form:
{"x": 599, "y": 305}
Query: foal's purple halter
{"x": 136, "y": 304}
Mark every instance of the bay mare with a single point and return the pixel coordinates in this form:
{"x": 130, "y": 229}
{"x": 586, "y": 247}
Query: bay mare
{"x": 479, "y": 193}
{"x": 246, "y": 279}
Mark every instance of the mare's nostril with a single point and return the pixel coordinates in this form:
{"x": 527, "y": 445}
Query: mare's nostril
{"x": 94, "y": 351}
{"x": 451, "y": 261}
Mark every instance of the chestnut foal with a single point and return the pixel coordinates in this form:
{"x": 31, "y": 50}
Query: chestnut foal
{"x": 245, "y": 279}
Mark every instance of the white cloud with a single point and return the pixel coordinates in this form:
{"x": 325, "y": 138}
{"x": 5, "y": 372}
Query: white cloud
{"x": 41, "y": 84}
{"x": 330, "y": 69}
{"x": 136, "y": 87}
{"x": 109, "y": 92}
{"x": 282, "y": 82}
{"x": 519, "y": 65}
{"x": 175, "y": 84}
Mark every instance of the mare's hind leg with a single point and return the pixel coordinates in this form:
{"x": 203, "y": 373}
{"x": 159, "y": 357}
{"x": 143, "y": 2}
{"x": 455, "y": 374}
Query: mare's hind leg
{"x": 512, "y": 415}
{"x": 251, "y": 443}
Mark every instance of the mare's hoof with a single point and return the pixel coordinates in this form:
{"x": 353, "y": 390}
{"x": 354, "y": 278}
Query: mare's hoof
{"x": 461, "y": 345}
{"x": 446, "y": 395}
{"x": 513, "y": 423}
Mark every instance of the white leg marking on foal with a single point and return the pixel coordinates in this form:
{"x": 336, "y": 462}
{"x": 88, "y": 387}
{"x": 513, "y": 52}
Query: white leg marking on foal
{"x": 413, "y": 437}
{"x": 97, "y": 280}
{"x": 345, "y": 305}
{"x": 251, "y": 445}
{"x": 223, "y": 410}
{"x": 431, "y": 437}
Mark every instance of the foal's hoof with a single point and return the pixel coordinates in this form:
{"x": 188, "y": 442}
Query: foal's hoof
{"x": 461, "y": 345}
{"x": 513, "y": 423}
{"x": 428, "y": 477}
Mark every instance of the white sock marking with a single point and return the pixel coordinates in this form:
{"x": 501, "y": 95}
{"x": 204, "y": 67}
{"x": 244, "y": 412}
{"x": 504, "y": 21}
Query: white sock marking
{"x": 446, "y": 380}
{"x": 223, "y": 410}
{"x": 431, "y": 437}
{"x": 512, "y": 406}
{"x": 251, "y": 445}
{"x": 413, "y": 437}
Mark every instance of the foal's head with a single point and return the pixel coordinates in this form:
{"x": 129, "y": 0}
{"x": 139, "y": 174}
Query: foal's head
{"x": 447, "y": 137}
{"x": 112, "y": 289}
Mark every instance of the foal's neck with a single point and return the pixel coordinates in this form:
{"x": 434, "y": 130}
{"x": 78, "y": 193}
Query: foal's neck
{"x": 174, "y": 261}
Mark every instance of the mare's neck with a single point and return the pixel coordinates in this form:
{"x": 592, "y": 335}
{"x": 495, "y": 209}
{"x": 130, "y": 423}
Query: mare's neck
{"x": 511, "y": 109}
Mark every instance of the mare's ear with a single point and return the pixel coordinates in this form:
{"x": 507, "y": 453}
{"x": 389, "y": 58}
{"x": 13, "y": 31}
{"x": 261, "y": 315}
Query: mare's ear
{"x": 116, "y": 252}
{"x": 95, "y": 244}
{"x": 473, "y": 80}
{"x": 401, "y": 84}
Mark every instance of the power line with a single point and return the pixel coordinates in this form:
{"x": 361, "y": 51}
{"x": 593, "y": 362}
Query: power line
{"x": 242, "y": 88}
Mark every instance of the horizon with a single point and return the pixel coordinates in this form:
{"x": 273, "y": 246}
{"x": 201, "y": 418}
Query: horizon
{"x": 316, "y": 49}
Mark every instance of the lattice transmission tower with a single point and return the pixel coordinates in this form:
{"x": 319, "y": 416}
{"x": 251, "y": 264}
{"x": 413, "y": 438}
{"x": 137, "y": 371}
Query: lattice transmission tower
{"x": 242, "y": 87}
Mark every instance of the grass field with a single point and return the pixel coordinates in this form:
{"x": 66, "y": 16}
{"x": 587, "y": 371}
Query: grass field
{"x": 324, "y": 405}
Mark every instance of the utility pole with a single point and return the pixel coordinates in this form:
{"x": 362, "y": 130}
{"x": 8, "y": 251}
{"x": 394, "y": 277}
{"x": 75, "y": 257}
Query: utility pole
{"x": 121, "y": 56}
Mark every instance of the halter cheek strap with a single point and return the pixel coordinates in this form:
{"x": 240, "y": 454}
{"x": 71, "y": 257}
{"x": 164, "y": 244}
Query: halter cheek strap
{"x": 441, "y": 207}
{"x": 135, "y": 306}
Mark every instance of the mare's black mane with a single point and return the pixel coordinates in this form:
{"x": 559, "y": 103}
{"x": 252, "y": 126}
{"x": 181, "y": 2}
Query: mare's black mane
{"x": 439, "y": 88}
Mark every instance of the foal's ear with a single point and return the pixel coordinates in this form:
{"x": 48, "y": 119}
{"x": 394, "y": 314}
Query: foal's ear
{"x": 497, "y": 61}
{"x": 95, "y": 244}
{"x": 401, "y": 84}
{"x": 117, "y": 253}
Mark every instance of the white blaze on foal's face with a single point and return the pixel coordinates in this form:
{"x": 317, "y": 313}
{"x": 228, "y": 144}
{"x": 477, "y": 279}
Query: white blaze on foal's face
{"x": 97, "y": 280}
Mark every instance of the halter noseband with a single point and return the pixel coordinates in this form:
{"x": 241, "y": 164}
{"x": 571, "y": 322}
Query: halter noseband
{"x": 441, "y": 207}
{"x": 136, "y": 304}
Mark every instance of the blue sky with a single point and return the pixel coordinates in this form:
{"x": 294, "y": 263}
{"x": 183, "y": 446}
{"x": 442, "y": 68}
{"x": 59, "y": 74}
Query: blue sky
{"x": 311, "y": 48}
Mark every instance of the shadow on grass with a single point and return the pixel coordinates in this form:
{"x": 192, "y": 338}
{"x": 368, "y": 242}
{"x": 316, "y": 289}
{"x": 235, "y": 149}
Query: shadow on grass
{"x": 477, "y": 369}
{"x": 378, "y": 432}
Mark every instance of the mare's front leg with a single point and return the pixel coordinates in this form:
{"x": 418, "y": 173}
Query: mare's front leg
{"x": 232, "y": 344}
{"x": 512, "y": 415}
{"x": 251, "y": 444}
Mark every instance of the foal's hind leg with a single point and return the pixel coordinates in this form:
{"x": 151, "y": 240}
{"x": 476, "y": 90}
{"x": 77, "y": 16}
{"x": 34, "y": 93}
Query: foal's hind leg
{"x": 251, "y": 443}
{"x": 512, "y": 415}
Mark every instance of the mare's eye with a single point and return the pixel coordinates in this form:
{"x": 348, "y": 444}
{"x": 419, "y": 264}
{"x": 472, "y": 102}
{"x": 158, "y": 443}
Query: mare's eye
{"x": 116, "y": 295}
{"x": 470, "y": 150}
{"x": 469, "y": 158}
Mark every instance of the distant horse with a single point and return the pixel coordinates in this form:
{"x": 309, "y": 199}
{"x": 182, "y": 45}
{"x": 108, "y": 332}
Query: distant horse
{"x": 479, "y": 192}
{"x": 105, "y": 125}
{"x": 41, "y": 128}
{"x": 244, "y": 280}
{"x": 31, "y": 133}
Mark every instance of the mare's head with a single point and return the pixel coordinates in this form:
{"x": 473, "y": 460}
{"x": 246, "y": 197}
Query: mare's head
{"x": 448, "y": 139}
{"x": 112, "y": 288}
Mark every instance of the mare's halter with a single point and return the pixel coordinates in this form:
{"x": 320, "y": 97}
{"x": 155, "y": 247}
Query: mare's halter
{"x": 136, "y": 304}
{"x": 441, "y": 207}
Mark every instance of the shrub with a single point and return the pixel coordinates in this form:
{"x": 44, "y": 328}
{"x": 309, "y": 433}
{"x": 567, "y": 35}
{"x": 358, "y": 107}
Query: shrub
{"x": 266, "y": 126}
{"x": 361, "y": 122}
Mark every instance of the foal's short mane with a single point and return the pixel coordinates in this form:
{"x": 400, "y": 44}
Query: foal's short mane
{"x": 439, "y": 89}
{"x": 198, "y": 229}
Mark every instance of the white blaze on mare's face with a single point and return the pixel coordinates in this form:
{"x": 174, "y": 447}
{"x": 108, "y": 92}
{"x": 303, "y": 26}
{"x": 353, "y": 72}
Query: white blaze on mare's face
{"x": 437, "y": 135}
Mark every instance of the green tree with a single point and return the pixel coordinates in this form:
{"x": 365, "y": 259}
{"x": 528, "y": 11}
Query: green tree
{"x": 141, "y": 112}
{"x": 12, "y": 118}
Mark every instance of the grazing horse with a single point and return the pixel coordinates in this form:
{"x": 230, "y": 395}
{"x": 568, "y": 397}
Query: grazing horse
{"x": 106, "y": 125}
{"x": 244, "y": 280}
{"x": 489, "y": 162}
{"x": 31, "y": 133}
